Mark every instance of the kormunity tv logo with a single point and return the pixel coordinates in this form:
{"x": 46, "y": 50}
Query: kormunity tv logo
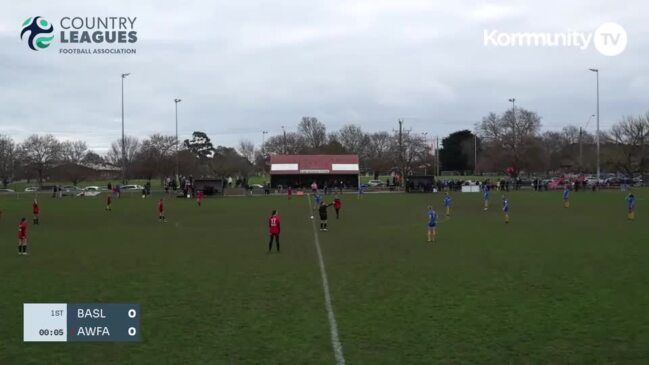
{"x": 82, "y": 35}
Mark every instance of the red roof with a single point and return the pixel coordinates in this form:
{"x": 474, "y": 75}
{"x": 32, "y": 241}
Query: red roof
{"x": 314, "y": 164}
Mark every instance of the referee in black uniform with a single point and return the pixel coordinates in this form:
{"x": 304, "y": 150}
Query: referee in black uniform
{"x": 323, "y": 215}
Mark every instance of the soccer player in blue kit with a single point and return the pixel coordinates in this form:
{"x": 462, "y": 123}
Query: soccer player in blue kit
{"x": 630, "y": 201}
{"x": 486, "y": 195}
{"x": 432, "y": 223}
{"x": 566, "y": 197}
{"x": 506, "y": 208}
{"x": 447, "y": 203}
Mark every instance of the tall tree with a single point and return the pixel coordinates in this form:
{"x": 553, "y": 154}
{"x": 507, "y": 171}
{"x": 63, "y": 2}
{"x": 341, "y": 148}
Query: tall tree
{"x": 41, "y": 152}
{"x": 73, "y": 151}
{"x": 8, "y": 155}
{"x": 457, "y": 153}
{"x": 313, "y": 131}
{"x": 247, "y": 149}
{"x": 512, "y": 134}
{"x": 200, "y": 145}
{"x": 354, "y": 140}
{"x": 630, "y": 138}
{"x": 92, "y": 157}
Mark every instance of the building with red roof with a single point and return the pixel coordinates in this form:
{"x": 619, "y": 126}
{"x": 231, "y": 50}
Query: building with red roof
{"x": 300, "y": 171}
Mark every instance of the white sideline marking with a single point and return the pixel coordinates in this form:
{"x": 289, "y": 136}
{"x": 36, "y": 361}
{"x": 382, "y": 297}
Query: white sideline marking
{"x": 335, "y": 340}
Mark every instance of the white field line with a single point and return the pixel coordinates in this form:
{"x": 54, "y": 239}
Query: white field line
{"x": 335, "y": 339}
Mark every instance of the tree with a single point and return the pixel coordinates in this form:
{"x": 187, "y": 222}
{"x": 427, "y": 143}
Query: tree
{"x": 131, "y": 148}
{"x": 73, "y": 151}
{"x": 313, "y": 131}
{"x": 227, "y": 162}
{"x": 247, "y": 149}
{"x": 289, "y": 143}
{"x": 8, "y": 153}
{"x": 457, "y": 153}
{"x": 41, "y": 152}
{"x": 353, "y": 139}
{"x": 630, "y": 137}
{"x": 93, "y": 158}
{"x": 511, "y": 133}
{"x": 155, "y": 156}
{"x": 378, "y": 152}
{"x": 200, "y": 145}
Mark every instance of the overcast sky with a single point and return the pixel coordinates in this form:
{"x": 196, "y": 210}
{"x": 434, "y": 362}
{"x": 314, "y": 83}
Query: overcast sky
{"x": 242, "y": 67}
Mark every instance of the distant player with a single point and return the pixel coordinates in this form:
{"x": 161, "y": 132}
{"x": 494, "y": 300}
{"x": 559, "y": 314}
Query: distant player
{"x": 22, "y": 237}
{"x": 322, "y": 209}
{"x": 566, "y": 197}
{"x": 361, "y": 190}
{"x": 199, "y": 197}
{"x": 486, "y": 196}
{"x": 432, "y": 224}
{"x": 289, "y": 191}
{"x": 274, "y": 228}
{"x": 630, "y": 200}
{"x": 506, "y": 209}
{"x": 337, "y": 205}
{"x": 36, "y": 210}
{"x": 109, "y": 202}
{"x": 161, "y": 211}
{"x": 447, "y": 203}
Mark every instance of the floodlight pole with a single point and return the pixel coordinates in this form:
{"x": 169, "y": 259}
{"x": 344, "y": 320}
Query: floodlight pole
{"x": 123, "y": 137}
{"x": 176, "y": 101}
{"x": 596, "y": 71}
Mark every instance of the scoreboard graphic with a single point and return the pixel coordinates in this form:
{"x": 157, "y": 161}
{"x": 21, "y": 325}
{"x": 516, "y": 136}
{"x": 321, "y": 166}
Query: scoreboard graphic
{"x": 62, "y": 322}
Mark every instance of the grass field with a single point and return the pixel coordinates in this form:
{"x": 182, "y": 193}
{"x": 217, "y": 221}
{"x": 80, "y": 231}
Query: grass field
{"x": 555, "y": 286}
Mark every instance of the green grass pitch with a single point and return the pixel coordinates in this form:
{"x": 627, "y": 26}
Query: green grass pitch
{"x": 554, "y": 286}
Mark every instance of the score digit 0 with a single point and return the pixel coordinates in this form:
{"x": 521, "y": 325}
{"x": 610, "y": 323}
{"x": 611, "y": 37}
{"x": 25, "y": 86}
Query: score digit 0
{"x": 132, "y": 313}
{"x": 132, "y": 331}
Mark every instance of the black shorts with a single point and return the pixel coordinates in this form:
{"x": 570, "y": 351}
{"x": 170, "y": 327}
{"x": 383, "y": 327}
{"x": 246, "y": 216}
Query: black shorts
{"x": 323, "y": 217}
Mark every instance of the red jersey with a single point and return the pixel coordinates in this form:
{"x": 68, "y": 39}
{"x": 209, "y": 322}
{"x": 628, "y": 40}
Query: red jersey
{"x": 337, "y": 203}
{"x": 35, "y": 208}
{"x": 161, "y": 207}
{"x": 274, "y": 224}
{"x": 22, "y": 230}
{"x": 290, "y": 191}
{"x": 109, "y": 199}
{"x": 199, "y": 195}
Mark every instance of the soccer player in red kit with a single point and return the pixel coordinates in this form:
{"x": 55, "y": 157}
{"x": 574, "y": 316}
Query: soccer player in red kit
{"x": 290, "y": 192}
{"x": 36, "y": 210}
{"x": 109, "y": 202}
{"x": 274, "y": 229}
{"x": 199, "y": 197}
{"x": 337, "y": 205}
{"x": 161, "y": 210}
{"x": 22, "y": 237}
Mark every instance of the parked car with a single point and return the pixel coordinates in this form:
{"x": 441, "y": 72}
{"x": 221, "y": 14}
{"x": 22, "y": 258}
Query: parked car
{"x": 92, "y": 188}
{"x": 256, "y": 186}
{"x": 31, "y": 189}
{"x": 133, "y": 187}
{"x": 375, "y": 183}
{"x": 68, "y": 190}
{"x": 7, "y": 191}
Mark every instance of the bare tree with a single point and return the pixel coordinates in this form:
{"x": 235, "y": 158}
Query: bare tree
{"x": 8, "y": 153}
{"x": 73, "y": 151}
{"x": 131, "y": 147}
{"x": 313, "y": 131}
{"x": 41, "y": 152}
{"x": 247, "y": 149}
{"x": 290, "y": 143}
{"x": 631, "y": 144}
{"x": 354, "y": 140}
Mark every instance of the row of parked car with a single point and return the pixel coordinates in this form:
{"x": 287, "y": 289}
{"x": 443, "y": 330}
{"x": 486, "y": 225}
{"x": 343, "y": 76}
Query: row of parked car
{"x": 71, "y": 190}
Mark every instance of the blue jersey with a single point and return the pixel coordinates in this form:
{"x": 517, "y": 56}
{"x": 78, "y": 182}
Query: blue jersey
{"x": 317, "y": 197}
{"x": 432, "y": 218}
{"x": 486, "y": 194}
{"x": 447, "y": 201}
{"x": 566, "y": 194}
{"x": 506, "y": 206}
{"x": 630, "y": 202}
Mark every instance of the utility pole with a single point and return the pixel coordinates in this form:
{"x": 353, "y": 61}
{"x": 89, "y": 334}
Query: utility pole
{"x": 581, "y": 152}
{"x": 475, "y": 154}
{"x": 515, "y": 150}
{"x": 437, "y": 154}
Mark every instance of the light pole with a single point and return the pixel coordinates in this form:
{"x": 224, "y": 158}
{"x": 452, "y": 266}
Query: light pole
{"x": 581, "y": 153}
{"x": 426, "y": 150}
{"x": 284, "y": 131}
{"x": 475, "y": 154}
{"x": 176, "y": 101}
{"x": 596, "y": 71}
{"x": 513, "y": 101}
{"x": 123, "y": 137}
{"x": 263, "y": 139}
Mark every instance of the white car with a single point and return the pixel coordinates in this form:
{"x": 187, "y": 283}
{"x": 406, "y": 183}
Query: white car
{"x": 375, "y": 183}
{"x": 7, "y": 191}
{"x": 31, "y": 189}
{"x": 132, "y": 187}
{"x": 92, "y": 188}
